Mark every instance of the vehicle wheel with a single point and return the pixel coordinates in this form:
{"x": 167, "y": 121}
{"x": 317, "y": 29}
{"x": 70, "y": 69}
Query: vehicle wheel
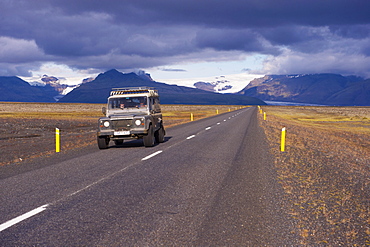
{"x": 159, "y": 135}
{"x": 103, "y": 142}
{"x": 118, "y": 142}
{"x": 149, "y": 139}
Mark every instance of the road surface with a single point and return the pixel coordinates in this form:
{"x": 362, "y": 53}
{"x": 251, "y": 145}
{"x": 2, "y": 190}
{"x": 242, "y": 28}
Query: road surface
{"x": 211, "y": 183}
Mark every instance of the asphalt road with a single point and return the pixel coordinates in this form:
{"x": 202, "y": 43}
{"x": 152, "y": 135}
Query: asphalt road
{"x": 211, "y": 183}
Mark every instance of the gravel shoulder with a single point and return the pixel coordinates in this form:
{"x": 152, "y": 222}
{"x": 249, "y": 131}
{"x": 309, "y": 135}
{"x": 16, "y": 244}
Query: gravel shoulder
{"x": 325, "y": 171}
{"x": 26, "y": 138}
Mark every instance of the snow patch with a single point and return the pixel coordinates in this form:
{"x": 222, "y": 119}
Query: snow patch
{"x": 222, "y": 84}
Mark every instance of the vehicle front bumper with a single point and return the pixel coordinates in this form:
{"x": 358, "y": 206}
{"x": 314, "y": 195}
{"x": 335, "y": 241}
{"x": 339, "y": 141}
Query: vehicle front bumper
{"x": 118, "y": 134}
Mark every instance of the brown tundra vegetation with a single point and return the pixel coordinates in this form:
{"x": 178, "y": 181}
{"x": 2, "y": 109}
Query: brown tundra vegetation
{"x": 324, "y": 171}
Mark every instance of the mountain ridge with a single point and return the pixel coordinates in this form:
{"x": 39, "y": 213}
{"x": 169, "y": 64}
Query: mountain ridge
{"x": 98, "y": 90}
{"x": 321, "y": 89}
{"x": 324, "y": 89}
{"x": 14, "y": 89}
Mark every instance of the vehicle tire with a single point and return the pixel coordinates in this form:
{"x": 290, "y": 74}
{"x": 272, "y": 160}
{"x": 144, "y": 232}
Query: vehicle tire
{"x": 149, "y": 138}
{"x": 103, "y": 142}
{"x": 159, "y": 135}
{"x": 118, "y": 142}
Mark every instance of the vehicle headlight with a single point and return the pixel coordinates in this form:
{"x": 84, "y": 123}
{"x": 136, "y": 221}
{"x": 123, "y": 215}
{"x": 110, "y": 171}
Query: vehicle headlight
{"x": 106, "y": 124}
{"x": 137, "y": 122}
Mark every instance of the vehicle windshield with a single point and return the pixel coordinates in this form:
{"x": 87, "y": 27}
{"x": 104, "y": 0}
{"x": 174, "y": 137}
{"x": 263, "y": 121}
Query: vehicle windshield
{"x": 128, "y": 102}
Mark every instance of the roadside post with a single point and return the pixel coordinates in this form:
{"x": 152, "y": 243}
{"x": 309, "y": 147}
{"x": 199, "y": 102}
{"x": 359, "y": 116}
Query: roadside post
{"x": 217, "y": 111}
{"x": 282, "y": 145}
{"x": 191, "y": 117}
{"x": 264, "y": 115}
{"x": 57, "y": 140}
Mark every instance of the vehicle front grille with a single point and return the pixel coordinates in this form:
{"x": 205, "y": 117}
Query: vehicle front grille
{"x": 123, "y": 124}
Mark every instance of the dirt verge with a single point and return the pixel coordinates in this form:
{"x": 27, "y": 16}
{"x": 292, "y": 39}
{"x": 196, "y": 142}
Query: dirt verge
{"x": 325, "y": 172}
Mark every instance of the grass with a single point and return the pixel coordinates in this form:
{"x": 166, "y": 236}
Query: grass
{"x": 352, "y": 119}
{"x": 49, "y": 110}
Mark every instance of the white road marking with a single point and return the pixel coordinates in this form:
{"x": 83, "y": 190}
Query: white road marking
{"x": 152, "y": 155}
{"x": 218, "y": 123}
{"x": 22, "y": 217}
{"x": 189, "y": 137}
{"x": 208, "y": 128}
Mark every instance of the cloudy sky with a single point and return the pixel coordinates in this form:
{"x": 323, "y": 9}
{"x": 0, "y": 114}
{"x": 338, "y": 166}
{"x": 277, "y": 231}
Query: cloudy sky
{"x": 174, "y": 39}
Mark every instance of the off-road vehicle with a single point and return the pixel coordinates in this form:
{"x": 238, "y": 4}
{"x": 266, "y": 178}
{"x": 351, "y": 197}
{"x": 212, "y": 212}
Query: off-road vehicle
{"x": 131, "y": 113}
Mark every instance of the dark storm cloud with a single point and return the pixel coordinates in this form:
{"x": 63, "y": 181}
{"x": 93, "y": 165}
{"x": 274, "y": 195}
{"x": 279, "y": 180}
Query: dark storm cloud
{"x": 353, "y": 31}
{"x": 228, "y": 39}
{"x": 145, "y": 33}
{"x": 228, "y": 13}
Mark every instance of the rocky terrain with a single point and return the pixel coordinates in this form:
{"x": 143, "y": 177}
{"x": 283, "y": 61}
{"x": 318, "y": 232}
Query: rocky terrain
{"x": 325, "y": 171}
{"x": 28, "y": 130}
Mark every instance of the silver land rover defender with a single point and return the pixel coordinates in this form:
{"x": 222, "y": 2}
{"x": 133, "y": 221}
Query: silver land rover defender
{"x": 131, "y": 113}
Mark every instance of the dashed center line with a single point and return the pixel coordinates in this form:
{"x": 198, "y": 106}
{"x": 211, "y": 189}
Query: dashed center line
{"x": 152, "y": 155}
{"x": 208, "y": 128}
{"x": 189, "y": 137}
{"x": 22, "y": 217}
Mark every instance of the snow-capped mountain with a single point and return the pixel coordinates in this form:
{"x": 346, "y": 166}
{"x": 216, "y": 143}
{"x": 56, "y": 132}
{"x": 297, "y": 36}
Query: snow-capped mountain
{"x": 220, "y": 84}
{"x": 58, "y": 84}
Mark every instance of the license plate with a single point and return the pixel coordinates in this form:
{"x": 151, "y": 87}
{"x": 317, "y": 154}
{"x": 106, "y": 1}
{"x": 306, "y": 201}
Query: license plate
{"x": 121, "y": 133}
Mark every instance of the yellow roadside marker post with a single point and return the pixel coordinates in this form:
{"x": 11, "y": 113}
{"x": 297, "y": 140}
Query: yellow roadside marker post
{"x": 282, "y": 145}
{"x": 264, "y": 115}
{"x": 217, "y": 111}
{"x": 191, "y": 117}
{"x": 57, "y": 140}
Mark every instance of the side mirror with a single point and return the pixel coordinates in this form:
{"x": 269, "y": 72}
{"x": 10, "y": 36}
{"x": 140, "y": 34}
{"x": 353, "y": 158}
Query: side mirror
{"x": 104, "y": 110}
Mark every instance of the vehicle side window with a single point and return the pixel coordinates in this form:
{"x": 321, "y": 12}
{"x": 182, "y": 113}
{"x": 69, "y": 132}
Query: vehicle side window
{"x": 154, "y": 105}
{"x": 151, "y": 105}
{"x": 157, "y": 105}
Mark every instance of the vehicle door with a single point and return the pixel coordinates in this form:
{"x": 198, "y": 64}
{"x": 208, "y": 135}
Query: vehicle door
{"x": 155, "y": 112}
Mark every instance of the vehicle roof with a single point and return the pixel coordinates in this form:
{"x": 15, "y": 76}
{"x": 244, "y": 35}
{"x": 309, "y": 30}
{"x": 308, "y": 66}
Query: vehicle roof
{"x": 129, "y": 95}
{"x": 134, "y": 91}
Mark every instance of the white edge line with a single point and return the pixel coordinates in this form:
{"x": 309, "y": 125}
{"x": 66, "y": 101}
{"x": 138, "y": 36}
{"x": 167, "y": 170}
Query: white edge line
{"x": 22, "y": 217}
{"x": 189, "y": 137}
{"x": 152, "y": 155}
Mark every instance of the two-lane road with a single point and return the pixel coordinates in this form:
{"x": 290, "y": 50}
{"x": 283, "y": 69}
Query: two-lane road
{"x": 211, "y": 183}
